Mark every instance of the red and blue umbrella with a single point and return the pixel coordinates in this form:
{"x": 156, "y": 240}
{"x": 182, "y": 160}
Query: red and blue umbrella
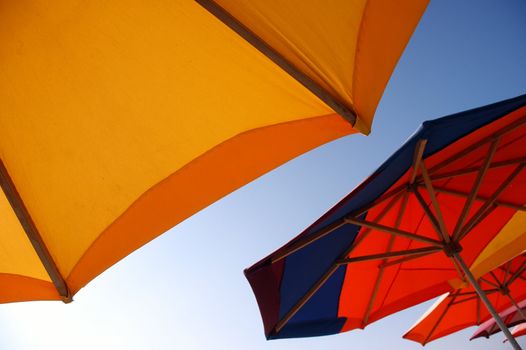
{"x": 404, "y": 234}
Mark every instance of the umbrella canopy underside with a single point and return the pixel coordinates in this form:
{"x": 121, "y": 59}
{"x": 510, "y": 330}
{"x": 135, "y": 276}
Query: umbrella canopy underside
{"x": 451, "y": 188}
{"x": 120, "y": 120}
{"x": 462, "y": 308}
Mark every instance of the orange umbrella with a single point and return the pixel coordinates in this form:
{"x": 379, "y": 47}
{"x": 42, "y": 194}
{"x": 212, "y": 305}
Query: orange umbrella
{"x": 120, "y": 119}
{"x": 463, "y": 307}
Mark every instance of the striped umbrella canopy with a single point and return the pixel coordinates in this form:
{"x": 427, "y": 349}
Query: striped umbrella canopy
{"x": 118, "y": 120}
{"x": 519, "y": 330}
{"x": 407, "y": 233}
{"x": 463, "y": 308}
{"x": 512, "y": 316}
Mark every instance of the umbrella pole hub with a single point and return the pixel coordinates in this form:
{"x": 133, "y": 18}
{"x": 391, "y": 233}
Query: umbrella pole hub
{"x": 452, "y": 248}
{"x": 505, "y": 290}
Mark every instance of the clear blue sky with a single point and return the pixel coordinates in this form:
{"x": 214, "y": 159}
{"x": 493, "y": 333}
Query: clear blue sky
{"x": 186, "y": 289}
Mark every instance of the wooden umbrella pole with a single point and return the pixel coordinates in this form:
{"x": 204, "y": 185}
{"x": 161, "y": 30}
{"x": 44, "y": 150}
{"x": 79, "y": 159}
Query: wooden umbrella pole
{"x": 486, "y": 301}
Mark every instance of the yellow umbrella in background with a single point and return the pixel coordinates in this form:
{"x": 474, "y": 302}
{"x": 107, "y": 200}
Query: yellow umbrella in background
{"x": 509, "y": 243}
{"x": 118, "y": 120}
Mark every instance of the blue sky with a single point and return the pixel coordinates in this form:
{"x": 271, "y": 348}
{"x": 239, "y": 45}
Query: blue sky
{"x": 186, "y": 289}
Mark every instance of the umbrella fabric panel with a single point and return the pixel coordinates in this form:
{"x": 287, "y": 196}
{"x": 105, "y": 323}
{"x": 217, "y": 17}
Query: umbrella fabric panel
{"x": 462, "y": 308}
{"x": 363, "y": 301}
{"x": 305, "y": 267}
{"x": 22, "y": 276}
{"x": 17, "y": 256}
{"x": 122, "y": 122}
{"x": 279, "y": 286}
{"x": 403, "y": 288}
{"x": 235, "y": 163}
{"x": 103, "y": 103}
{"x": 347, "y": 47}
{"x": 317, "y": 317}
{"x": 20, "y": 288}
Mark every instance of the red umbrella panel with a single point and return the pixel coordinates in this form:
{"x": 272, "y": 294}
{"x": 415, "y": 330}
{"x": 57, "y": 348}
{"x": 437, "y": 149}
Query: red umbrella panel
{"x": 463, "y": 308}
{"x": 406, "y": 232}
{"x": 512, "y": 316}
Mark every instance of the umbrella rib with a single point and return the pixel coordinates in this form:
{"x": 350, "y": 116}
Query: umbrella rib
{"x": 485, "y": 300}
{"x": 230, "y": 21}
{"x": 394, "y": 192}
{"x": 428, "y": 212}
{"x": 517, "y": 273}
{"x": 18, "y": 206}
{"x": 457, "y": 268}
{"x": 408, "y": 258}
{"x": 489, "y": 282}
{"x": 475, "y": 169}
{"x": 475, "y": 188}
{"x": 509, "y": 128}
{"x": 303, "y": 300}
{"x": 440, "y": 318}
{"x": 281, "y": 323}
{"x": 417, "y": 158}
{"x": 480, "y": 198}
{"x": 279, "y": 255}
{"x": 408, "y": 252}
{"x": 329, "y": 272}
{"x": 507, "y": 272}
{"x": 479, "y": 214}
{"x": 436, "y": 206}
{"x": 496, "y": 279}
{"x": 396, "y": 232}
{"x": 390, "y": 245}
{"x": 380, "y": 216}
{"x": 472, "y": 293}
{"x": 478, "y": 220}
{"x": 518, "y": 276}
{"x": 489, "y": 291}
{"x": 310, "y": 239}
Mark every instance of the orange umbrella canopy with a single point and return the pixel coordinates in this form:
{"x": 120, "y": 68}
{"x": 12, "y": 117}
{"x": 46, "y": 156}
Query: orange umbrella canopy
{"x": 462, "y": 308}
{"x": 118, "y": 120}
